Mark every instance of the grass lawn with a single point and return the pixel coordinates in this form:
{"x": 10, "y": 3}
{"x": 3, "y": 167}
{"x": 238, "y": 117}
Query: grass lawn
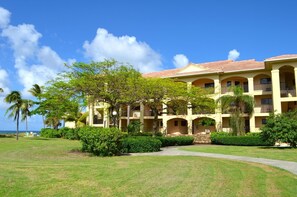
{"x": 288, "y": 154}
{"x": 54, "y": 168}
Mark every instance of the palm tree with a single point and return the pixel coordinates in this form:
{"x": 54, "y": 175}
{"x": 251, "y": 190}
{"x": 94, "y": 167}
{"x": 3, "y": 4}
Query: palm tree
{"x": 25, "y": 109}
{"x": 37, "y": 91}
{"x": 14, "y": 110}
{"x": 237, "y": 104}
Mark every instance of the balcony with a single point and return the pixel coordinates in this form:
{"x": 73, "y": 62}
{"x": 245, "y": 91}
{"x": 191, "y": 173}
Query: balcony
{"x": 263, "y": 87}
{"x": 226, "y": 89}
{"x": 263, "y": 109}
{"x": 287, "y": 90}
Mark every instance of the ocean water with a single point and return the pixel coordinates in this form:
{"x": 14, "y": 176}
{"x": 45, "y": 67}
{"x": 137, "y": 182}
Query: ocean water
{"x": 13, "y": 132}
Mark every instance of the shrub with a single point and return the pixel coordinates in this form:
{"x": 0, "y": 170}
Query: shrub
{"x": 140, "y": 144}
{"x": 215, "y": 135}
{"x": 281, "y": 128}
{"x": 176, "y": 141}
{"x": 145, "y": 134}
{"x": 50, "y": 133}
{"x": 134, "y": 127}
{"x": 70, "y": 133}
{"x": 240, "y": 141}
{"x": 101, "y": 141}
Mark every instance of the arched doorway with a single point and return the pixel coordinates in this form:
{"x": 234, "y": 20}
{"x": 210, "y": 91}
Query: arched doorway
{"x": 204, "y": 125}
{"x": 177, "y": 126}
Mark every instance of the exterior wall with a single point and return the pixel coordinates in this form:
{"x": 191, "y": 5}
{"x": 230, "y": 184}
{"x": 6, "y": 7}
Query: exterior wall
{"x": 282, "y": 91}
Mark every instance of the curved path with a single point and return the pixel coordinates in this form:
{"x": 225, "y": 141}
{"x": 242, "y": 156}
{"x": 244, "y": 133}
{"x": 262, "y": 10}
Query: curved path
{"x": 174, "y": 151}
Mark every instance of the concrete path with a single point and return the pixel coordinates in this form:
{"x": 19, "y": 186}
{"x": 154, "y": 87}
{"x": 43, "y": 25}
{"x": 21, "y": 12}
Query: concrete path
{"x": 174, "y": 151}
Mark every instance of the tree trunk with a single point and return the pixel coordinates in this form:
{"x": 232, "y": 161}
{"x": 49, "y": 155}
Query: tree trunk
{"x": 26, "y": 124}
{"x": 155, "y": 122}
{"x": 17, "y": 131}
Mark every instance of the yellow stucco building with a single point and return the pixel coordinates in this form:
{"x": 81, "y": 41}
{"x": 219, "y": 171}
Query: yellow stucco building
{"x": 272, "y": 84}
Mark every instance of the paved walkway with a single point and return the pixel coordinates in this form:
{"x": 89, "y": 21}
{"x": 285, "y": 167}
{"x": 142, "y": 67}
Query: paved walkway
{"x": 174, "y": 151}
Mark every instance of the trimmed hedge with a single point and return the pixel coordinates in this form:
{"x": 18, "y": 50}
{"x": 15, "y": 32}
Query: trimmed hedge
{"x": 50, "y": 133}
{"x": 69, "y": 133}
{"x": 101, "y": 141}
{"x": 176, "y": 141}
{"x": 140, "y": 144}
{"x": 240, "y": 141}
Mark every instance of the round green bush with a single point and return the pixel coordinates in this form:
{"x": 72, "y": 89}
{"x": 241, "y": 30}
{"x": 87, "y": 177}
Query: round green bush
{"x": 101, "y": 141}
{"x": 50, "y": 133}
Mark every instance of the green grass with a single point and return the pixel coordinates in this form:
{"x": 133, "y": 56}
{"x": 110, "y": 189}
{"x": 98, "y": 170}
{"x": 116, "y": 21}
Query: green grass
{"x": 280, "y": 153}
{"x": 54, "y": 167}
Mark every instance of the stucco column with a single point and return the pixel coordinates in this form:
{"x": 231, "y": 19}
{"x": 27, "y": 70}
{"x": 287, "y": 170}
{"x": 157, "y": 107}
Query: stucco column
{"x": 251, "y": 85}
{"x": 251, "y": 93}
{"x": 91, "y": 116}
{"x": 190, "y": 124}
{"x": 106, "y": 116}
{"x": 217, "y": 86}
{"x": 218, "y": 111}
{"x": 141, "y": 118}
{"x": 164, "y": 118}
{"x": 276, "y": 91}
{"x": 295, "y": 74}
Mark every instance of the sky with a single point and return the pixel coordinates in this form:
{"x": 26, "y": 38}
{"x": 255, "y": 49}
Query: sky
{"x": 38, "y": 37}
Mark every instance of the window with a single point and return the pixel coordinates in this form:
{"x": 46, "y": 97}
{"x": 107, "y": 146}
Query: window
{"x": 183, "y": 123}
{"x": 229, "y": 83}
{"x": 265, "y": 81}
{"x": 176, "y": 123}
{"x": 209, "y": 85}
{"x": 161, "y": 123}
{"x": 237, "y": 83}
{"x": 264, "y": 121}
{"x": 266, "y": 101}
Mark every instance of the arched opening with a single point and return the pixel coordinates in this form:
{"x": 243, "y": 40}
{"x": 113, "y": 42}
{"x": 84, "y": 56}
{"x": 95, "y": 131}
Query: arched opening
{"x": 177, "y": 126}
{"x": 204, "y": 125}
{"x": 227, "y": 83}
{"x": 204, "y": 83}
{"x": 98, "y": 116}
{"x": 262, "y": 82}
{"x": 287, "y": 81}
{"x": 177, "y": 107}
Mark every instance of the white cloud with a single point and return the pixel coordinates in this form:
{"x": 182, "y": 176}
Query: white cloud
{"x": 3, "y": 85}
{"x": 4, "y": 17}
{"x": 125, "y": 49}
{"x": 233, "y": 55}
{"x": 34, "y": 63}
{"x": 23, "y": 39}
{"x": 180, "y": 60}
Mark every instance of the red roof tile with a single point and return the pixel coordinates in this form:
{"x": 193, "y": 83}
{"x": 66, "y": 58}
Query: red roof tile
{"x": 211, "y": 67}
{"x": 281, "y": 57}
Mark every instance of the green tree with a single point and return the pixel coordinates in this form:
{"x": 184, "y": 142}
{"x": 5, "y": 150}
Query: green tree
{"x": 36, "y": 91}
{"x": 108, "y": 81}
{"x": 1, "y": 90}
{"x": 281, "y": 128}
{"x": 14, "y": 110}
{"x": 25, "y": 110}
{"x": 237, "y": 104}
{"x": 55, "y": 104}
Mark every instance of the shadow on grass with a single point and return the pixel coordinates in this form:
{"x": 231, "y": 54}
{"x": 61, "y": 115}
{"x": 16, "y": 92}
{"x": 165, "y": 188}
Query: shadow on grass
{"x": 6, "y": 136}
{"x": 276, "y": 147}
{"x": 37, "y": 138}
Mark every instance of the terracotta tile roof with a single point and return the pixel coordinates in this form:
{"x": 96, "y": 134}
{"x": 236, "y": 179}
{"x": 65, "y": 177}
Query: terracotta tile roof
{"x": 281, "y": 57}
{"x": 164, "y": 73}
{"x": 210, "y": 67}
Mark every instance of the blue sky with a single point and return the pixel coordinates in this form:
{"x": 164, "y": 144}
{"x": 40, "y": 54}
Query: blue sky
{"x": 38, "y": 37}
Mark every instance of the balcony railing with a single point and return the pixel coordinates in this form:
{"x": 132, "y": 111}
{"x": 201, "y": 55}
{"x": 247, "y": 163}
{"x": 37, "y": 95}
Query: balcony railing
{"x": 225, "y": 89}
{"x": 263, "y": 87}
{"x": 263, "y": 109}
{"x": 287, "y": 90}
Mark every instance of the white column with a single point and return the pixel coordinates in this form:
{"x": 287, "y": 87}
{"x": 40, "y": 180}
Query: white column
{"x": 190, "y": 124}
{"x": 251, "y": 93}
{"x": 251, "y": 85}
{"x": 295, "y": 73}
{"x": 91, "y": 116}
{"x": 276, "y": 91}
{"x": 164, "y": 118}
{"x": 141, "y": 118}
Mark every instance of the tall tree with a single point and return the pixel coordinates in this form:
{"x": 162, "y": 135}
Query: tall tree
{"x": 237, "y": 104}
{"x": 14, "y": 110}
{"x": 36, "y": 91}
{"x": 25, "y": 110}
